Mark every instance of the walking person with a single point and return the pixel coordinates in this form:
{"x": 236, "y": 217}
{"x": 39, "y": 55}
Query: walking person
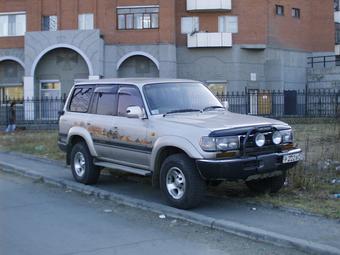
{"x": 12, "y": 118}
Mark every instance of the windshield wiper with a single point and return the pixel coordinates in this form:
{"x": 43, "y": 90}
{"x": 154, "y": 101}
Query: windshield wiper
{"x": 181, "y": 111}
{"x": 213, "y": 107}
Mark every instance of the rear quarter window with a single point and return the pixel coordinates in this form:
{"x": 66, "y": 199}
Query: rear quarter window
{"x": 81, "y": 98}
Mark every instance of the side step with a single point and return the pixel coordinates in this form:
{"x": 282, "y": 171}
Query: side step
{"x": 123, "y": 168}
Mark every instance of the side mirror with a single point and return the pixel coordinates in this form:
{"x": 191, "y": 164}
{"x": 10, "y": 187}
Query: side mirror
{"x": 135, "y": 112}
{"x": 225, "y": 105}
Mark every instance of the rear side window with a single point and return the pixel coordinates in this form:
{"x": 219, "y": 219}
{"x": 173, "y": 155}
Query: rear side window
{"x": 81, "y": 99}
{"x": 106, "y": 103}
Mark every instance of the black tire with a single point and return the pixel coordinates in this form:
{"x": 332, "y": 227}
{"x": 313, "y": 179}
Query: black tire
{"x": 194, "y": 188}
{"x": 89, "y": 173}
{"x": 267, "y": 185}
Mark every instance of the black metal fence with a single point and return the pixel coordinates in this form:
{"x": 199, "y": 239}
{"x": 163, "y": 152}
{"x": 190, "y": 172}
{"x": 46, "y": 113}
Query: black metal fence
{"x": 291, "y": 103}
{"x": 277, "y": 104}
{"x": 42, "y": 112}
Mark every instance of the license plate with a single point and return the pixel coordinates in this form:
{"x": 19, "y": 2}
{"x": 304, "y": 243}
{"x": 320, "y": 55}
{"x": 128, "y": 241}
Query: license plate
{"x": 291, "y": 158}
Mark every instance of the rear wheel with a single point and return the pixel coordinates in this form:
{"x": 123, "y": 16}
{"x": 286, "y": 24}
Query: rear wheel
{"x": 269, "y": 185}
{"x": 82, "y": 166}
{"x": 181, "y": 183}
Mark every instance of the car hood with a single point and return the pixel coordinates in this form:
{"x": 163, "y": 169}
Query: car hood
{"x": 218, "y": 120}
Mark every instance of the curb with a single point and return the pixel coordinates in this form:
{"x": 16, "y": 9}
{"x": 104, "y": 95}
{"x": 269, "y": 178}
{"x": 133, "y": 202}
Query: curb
{"x": 61, "y": 163}
{"x": 36, "y": 158}
{"x": 222, "y": 225}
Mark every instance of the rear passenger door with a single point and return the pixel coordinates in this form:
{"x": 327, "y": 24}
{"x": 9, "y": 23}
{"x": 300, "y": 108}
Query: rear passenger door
{"x": 101, "y": 122}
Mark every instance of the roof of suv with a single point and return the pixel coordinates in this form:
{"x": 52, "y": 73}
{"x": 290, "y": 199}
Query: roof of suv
{"x": 134, "y": 81}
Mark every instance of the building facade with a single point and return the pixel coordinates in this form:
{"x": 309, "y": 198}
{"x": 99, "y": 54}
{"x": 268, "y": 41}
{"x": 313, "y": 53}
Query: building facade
{"x": 231, "y": 45}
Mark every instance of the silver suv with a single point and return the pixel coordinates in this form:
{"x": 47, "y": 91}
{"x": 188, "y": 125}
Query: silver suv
{"x": 175, "y": 131}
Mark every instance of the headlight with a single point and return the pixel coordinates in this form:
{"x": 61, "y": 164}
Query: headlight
{"x": 287, "y": 136}
{"x": 277, "y": 137}
{"x": 260, "y": 139}
{"x": 220, "y": 143}
{"x": 227, "y": 143}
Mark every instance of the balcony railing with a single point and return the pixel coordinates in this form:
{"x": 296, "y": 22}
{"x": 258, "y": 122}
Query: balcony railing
{"x": 210, "y": 40}
{"x": 209, "y": 5}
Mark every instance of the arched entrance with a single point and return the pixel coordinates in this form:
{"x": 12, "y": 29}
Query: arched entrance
{"x": 56, "y": 71}
{"x": 11, "y": 79}
{"x": 138, "y": 65}
{"x": 54, "y": 76}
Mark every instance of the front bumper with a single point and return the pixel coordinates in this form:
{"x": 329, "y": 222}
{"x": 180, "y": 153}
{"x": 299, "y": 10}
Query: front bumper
{"x": 245, "y": 167}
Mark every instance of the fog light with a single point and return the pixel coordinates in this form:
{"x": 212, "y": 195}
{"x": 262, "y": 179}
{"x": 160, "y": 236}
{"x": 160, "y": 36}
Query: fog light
{"x": 260, "y": 140}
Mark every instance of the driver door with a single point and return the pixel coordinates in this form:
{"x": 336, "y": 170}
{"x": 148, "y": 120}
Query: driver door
{"x": 132, "y": 147}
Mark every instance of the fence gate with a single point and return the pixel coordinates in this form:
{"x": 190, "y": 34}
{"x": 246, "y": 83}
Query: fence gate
{"x": 290, "y": 102}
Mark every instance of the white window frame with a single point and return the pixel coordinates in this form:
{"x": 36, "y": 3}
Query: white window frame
{"x": 6, "y": 24}
{"x": 141, "y": 16}
{"x": 228, "y": 24}
{"x": 40, "y": 94}
{"x": 83, "y": 20}
{"x": 195, "y": 24}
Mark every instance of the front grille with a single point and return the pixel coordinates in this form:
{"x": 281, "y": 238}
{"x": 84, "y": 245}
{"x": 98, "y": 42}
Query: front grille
{"x": 249, "y": 147}
{"x": 250, "y": 143}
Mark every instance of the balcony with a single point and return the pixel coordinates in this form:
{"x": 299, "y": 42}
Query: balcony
{"x": 208, "y": 5}
{"x": 210, "y": 40}
{"x": 337, "y": 17}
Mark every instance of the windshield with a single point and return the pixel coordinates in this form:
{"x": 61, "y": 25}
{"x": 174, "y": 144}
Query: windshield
{"x": 179, "y": 97}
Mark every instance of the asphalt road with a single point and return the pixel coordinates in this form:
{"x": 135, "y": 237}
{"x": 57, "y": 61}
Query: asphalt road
{"x": 36, "y": 218}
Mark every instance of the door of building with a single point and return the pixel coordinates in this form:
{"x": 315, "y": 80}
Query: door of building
{"x": 290, "y": 102}
{"x": 50, "y": 101}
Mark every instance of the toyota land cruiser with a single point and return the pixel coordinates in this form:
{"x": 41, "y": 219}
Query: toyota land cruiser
{"x": 175, "y": 131}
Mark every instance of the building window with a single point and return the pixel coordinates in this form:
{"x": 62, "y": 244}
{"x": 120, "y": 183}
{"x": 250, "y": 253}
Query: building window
{"x": 218, "y": 88}
{"x": 138, "y": 17}
{"x": 49, "y": 23}
{"x": 228, "y": 24}
{"x": 12, "y": 24}
{"x": 85, "y": 21}
{"x": 280, "y": 10}
{"x": 337, "y": 36}
{"x": 12, "y": 93}
{"x": 296, "y": 13}
{"x": 190, "y": 25}
{"x": 336, "y": 5}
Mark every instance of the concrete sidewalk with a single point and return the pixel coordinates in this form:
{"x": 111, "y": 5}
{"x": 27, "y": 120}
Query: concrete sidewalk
{"x": 311, "y": 234}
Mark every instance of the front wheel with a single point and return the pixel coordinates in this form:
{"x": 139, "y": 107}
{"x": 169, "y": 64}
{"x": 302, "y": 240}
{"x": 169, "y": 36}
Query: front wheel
{"x": 270, "y": 185}
{"x": 181, "y": 183}
{"x": 83, "y": 169}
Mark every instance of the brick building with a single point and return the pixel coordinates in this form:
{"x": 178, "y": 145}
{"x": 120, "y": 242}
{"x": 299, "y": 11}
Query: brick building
{"x": 229, "y": 44}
